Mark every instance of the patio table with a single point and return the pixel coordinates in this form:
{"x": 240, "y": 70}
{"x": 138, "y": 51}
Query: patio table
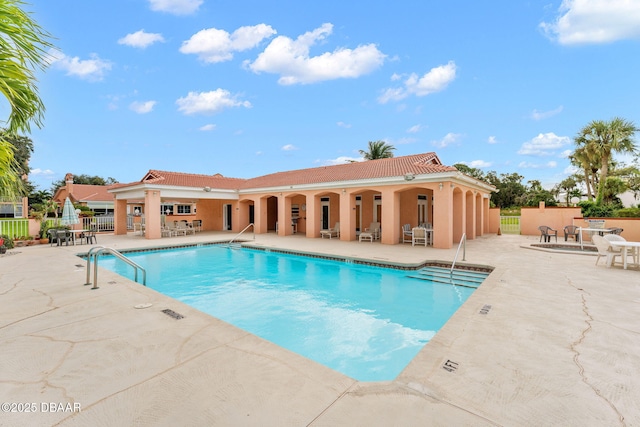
{"x": 625, "y": 245}
{"x": 601, "y": 231}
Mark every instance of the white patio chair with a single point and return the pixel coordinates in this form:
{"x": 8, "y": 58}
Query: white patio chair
{"x": 406, "y": 233}
{"x": 331, "y": 232}
{"x": 419, "y": 236}
{"x": 606, "y": 250}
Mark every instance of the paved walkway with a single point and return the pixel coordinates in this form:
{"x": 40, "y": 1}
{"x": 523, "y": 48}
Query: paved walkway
{"x": 549, "y": 339}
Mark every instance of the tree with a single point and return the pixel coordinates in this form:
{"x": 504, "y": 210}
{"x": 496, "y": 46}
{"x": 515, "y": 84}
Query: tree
{"x": 605, "y": 138}
{"x": 83, "y": 179}
{"x": 378, "y": 150}
{"x": 568, "y": 186}
{"x": 468, "y": 170}
{"x": 509, "y": 186}
{"x": 24, "y": 46}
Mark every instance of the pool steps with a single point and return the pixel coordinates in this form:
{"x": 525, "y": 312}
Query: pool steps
{"x": 459, "y": 277}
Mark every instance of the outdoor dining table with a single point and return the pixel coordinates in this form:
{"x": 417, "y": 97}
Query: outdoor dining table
{"x": 75, "y": 233}
{"x": 601, "y": 231}
{"x": 626, "y": 245}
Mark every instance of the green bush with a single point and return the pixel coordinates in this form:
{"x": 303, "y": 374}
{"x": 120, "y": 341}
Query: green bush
{"x": 592, "y": 210}
{"x": 8, "y": 241}
{"x": 629, "y": 213}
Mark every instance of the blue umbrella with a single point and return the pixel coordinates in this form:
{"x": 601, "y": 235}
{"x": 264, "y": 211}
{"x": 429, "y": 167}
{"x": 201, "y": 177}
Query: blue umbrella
{"x": 69, "y": 215}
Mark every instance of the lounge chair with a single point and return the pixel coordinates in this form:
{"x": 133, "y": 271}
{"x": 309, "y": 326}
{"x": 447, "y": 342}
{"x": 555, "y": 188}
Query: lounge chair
{"x": 571, "y": 230}
{"x": 406, "y": 233}
{"x": 547, "y": 232}
{"x": 331, "y": 232}
{"x": 419, "y": 236}
{"x": 606, "y": 250}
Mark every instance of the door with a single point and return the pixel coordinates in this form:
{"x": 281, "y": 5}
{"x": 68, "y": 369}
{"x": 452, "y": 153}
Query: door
{"x": 324, "y": 204}
{"x": 227, "y": 214}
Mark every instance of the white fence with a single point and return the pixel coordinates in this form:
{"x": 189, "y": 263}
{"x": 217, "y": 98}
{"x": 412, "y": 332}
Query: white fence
{"x": 510, "y": 224}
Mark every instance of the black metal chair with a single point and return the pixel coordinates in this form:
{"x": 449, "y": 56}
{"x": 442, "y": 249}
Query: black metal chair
{"x": 547, "y": 233}
{"x": 571, "y": 230}
{"x": 90, "y": 236}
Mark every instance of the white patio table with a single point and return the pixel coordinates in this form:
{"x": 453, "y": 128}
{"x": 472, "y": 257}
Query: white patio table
{"x": 634, "y": 246}
{"x": 595, "y": 230}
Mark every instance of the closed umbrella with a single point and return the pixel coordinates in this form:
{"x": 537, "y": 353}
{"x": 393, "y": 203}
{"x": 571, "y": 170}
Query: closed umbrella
{"x": 69, "y": 215}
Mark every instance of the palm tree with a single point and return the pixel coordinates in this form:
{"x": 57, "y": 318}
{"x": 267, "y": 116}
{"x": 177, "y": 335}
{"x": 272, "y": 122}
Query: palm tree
{"x": 24, "y": 46}
{"x": 605, "y": 138}
{"x": 585, "y": 158}
{"x": 378, "y": 150}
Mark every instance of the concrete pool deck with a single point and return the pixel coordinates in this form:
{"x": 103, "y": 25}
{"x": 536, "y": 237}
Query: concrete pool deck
{"x": 548, "y": 339}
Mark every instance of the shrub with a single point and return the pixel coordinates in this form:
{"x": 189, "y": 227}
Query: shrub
{"x": 592, "y": 210}
{"x": 8, "y": 241}
{"x": 629, "y": 213}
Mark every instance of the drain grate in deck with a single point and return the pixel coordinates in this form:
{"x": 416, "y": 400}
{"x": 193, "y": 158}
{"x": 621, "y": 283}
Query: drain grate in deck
{"x": 173, "y": 314}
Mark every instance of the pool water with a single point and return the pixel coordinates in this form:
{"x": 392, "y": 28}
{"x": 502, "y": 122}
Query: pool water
{"x": 366, "y": 322}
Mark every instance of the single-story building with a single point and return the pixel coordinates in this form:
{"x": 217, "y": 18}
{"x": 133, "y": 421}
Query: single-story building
{"x": 415, "y": 189}
{"x": 95, "y": 197}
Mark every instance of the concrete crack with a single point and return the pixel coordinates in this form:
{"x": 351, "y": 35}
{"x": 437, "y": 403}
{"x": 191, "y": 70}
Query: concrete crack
{"x": 576, "y": 358}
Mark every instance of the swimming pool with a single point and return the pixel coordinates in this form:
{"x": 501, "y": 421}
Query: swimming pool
{"x": 366, "y": 322}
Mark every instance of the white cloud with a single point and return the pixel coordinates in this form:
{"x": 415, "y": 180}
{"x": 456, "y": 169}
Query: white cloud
{"x": 492, "y": 140}
{"x": 142, "y": 107}
{"x": 541, "y": 115}
{"x": 209, "y": 102}
{"x": 175, "y": 7}
{"x": 477, "y": 164}
{"x": 448, "y": 139}
{"x": 570, "y": 170}
{"x": 214, "y": 45}
{"x": 289, "y": 147}
{"x": 41, "y": 172}
{"x": 566, "y": 153}
{"x": 140, "y": 39}
{"x": 545, "y": 144}
{"x": 415, "y": 129}
{"x": 594, "y": 21}
{"x": 291, "y": 59}
{"x": 529, "y": 165}
{"x": 93, "y": 69}
{"x": 344, "y": 125}
{"x": 208, "y": 127}
{"x": 435, "y": 80}
{"x": 340, "y": 160}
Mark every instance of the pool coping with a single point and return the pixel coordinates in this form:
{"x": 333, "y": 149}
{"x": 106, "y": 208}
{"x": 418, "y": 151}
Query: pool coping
{"x": 546, "y": 340}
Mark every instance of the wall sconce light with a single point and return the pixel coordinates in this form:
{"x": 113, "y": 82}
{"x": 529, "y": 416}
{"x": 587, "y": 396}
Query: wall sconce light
{"x": 207, "y": 189}
{"x": 441, "y": 185}
{"x": 344, "y": 191}
{"x": 409, "y": 177}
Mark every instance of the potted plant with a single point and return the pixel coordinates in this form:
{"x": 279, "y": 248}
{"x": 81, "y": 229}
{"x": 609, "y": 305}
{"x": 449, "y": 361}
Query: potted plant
{"x": 7, "y": 243}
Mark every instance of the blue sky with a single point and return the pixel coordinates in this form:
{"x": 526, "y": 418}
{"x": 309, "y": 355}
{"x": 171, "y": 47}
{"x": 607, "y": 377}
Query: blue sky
{"x": 246, "y": 88}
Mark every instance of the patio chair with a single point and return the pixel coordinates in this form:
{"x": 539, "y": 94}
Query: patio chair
{"x": 53, "y": 236}
{"x": 365, "y": 235}
{"x": 419, "y": 236}
{"x": 547, "y": 232}
{"x": 614, "y": 238}
{"x": 197, "y": 225}
{"x": 63, "y": 236}
{"x": 374, "y": 228}
{"x": 606, "y": 250}
{"x": 571, "y": 230}
{"x": 406, "y": 233}
{"x": 89, "y": 236}
{"x": 331, "y": 232}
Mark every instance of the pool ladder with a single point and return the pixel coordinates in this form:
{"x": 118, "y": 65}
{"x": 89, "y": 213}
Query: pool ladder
{"x": 238, "y": 245}
{"x": 95, "y": 251}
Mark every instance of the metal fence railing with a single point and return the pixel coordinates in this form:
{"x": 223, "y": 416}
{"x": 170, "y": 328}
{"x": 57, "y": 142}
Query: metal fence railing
{"x": 14, "y": 227}
{"x": 100, "y": 223}
{"x": 510, "y": 224}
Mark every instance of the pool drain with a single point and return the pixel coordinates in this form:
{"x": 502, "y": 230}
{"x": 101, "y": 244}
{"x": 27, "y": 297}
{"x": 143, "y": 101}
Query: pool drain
{"x": 173, "y": 314}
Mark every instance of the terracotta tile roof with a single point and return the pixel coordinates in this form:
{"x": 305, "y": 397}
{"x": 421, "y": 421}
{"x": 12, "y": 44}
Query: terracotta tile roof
{"x": 417, "y": 164}
{"x": 91, "y": 193}
{"x": 180, "y": 179}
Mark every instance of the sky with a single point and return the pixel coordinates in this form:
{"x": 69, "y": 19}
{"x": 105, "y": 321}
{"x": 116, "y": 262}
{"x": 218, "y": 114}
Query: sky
{"x": 247, "y": 88}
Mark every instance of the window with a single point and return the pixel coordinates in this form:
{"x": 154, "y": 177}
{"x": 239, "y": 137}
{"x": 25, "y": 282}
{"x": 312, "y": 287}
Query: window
{"x": 166, "y": 209}
{"x": 183, "y": 209}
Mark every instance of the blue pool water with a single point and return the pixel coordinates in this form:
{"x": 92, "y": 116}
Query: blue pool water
{"x": 366, "y": 322}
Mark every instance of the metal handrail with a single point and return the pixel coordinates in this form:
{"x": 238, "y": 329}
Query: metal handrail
{"x": 96, "y": 251}
{"x": 463, "y": 243}
{"x": 243, "y": 230}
